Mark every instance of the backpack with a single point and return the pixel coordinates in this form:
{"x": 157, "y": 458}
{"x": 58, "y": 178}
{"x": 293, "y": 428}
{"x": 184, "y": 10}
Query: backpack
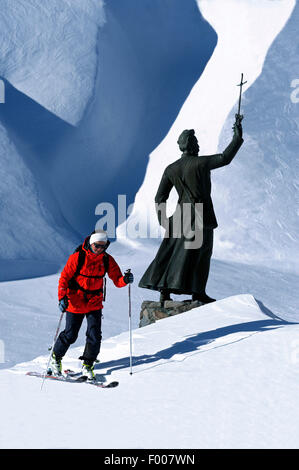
{"x": 73, "y": 284}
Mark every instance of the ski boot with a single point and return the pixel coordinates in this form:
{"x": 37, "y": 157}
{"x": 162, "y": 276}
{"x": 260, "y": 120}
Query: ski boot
{"x": 87, "y": 371}
{"x": 55, "y": 367}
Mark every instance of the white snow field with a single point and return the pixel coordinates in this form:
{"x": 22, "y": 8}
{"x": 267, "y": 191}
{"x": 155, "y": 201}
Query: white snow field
{"x": 219, "y": 376}
{"x": 92, "y": 89}
{"x": 223, "y": 375}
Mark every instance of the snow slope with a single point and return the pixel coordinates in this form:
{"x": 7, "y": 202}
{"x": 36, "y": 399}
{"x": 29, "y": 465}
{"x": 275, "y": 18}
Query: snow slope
{"x": 61, "y": 64}
{"x": 142, "y": 50}
{"x": 48, "y": 52}
{"x": 225, "y": 375}
{"x": 90, "y": 91}
{"x": 220, "y": 376}
{"x": 29, "y": 313}
{"x": 31, "y": 244}
{"x": 48, "y": 66}
{"x": 254, "y": 196}
{"x": 262, "y": 205}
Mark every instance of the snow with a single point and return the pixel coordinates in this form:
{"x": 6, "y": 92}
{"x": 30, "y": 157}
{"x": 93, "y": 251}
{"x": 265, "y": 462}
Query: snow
{"x": 48, "y": 66}
{"x": 49, "y": 52}
{"x": 261, "y": 207}
{"x": 31, "y": 244}
{"x": 94, "y": 86}
{"x": 95, "y": 93}
{"x": 222, "y": 374}
{"x": 255, "y": 193}
{"x": 225, "y": 374}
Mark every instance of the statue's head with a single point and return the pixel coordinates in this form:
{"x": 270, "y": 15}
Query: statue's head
{"x": 188, "y": 142}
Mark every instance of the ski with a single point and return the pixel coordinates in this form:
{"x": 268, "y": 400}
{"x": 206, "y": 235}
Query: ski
{"x": 72, "y": 373}
{"x": 70, "y": 379}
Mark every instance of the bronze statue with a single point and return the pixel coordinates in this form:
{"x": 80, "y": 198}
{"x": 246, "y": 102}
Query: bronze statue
{"x": 177, "y": 268}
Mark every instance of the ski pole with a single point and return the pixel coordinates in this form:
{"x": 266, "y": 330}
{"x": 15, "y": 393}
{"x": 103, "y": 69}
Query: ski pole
{"x": 51, "y": 348}
{"x": 130, "y": 324}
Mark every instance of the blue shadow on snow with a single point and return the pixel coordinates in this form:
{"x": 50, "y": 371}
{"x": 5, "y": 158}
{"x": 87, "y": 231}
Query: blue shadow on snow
{"x": 193, "y": 343}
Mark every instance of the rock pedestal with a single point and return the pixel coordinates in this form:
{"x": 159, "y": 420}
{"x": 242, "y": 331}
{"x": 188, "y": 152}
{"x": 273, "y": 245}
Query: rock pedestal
{"x": 153, "y": 311}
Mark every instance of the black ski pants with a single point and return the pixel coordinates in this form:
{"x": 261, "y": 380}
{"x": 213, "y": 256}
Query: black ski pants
{"x": 69, "y": 335}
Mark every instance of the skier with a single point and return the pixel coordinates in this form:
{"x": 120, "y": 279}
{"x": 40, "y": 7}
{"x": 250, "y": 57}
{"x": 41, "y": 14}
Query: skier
{"x": 81, "y": 291}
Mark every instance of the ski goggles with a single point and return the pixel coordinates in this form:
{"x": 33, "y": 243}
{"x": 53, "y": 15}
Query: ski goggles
{"x": 99, "y": 245}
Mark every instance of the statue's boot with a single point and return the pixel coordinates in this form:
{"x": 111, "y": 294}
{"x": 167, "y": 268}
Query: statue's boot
{"x": 204, "y": 298}
{"x": 164, "y": 295}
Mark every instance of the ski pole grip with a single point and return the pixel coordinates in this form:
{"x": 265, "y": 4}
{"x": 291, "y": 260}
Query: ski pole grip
{"x": 128, "y": 271}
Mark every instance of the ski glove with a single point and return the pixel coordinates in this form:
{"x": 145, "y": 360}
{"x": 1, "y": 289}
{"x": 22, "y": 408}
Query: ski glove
{"x": 63, "y": 303}
{"x": 128, "y": 278}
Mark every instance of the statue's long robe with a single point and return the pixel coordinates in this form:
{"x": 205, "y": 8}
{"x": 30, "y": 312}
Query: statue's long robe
{"x": 177, "y": 268}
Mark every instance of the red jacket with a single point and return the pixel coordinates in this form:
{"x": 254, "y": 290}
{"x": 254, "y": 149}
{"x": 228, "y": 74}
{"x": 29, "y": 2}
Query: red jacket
{"x": 80, "y": 301}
